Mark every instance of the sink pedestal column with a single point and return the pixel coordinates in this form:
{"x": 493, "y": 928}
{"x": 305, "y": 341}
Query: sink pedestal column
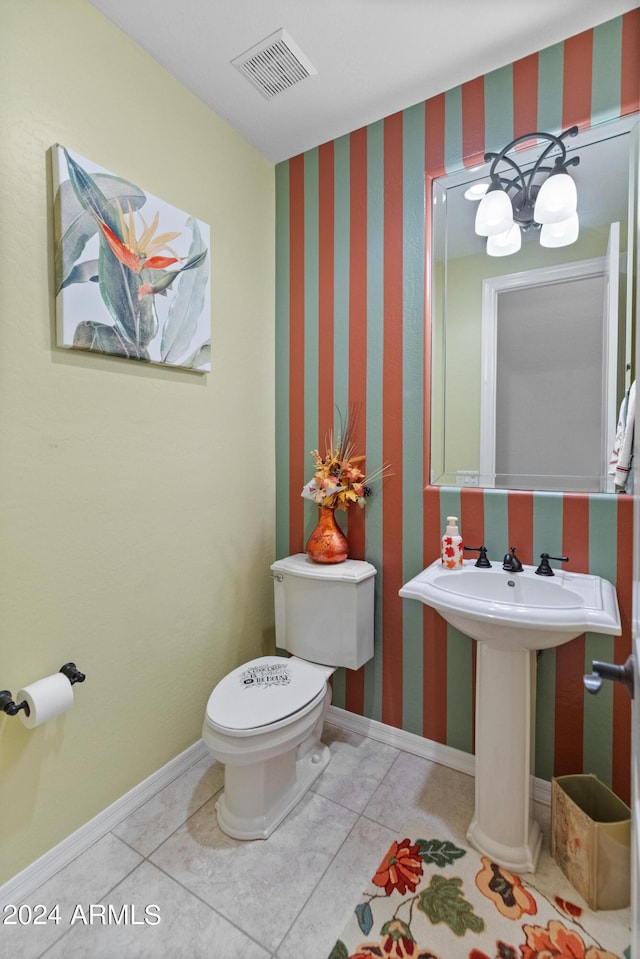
{"x": 503, "y": 826}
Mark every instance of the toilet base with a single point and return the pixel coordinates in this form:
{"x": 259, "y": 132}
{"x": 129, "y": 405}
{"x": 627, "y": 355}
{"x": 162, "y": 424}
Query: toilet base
{"x": 250, "y": 791}
{"x": 259, "y": 794}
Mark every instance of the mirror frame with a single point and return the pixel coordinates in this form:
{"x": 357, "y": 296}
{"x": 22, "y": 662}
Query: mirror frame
{"x": 626, "y": 125}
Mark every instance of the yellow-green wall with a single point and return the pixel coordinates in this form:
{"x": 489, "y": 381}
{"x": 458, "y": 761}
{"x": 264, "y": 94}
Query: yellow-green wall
{"x": 136, "y": 502}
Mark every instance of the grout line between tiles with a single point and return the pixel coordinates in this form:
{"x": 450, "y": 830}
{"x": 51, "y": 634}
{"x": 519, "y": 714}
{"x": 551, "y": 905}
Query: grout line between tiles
{"x": 173, "y": 831}
{"x": 190, "y": 892}
{"x": 361, "y": 815}
{"x": 324, "y": 872}
{"x": 102, "y": 898}
{"x": 195, "y": 895}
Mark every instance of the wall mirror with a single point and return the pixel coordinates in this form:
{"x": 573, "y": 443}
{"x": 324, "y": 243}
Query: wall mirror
{"x": 532, "y": 353}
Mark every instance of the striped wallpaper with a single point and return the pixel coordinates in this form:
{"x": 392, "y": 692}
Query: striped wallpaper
{"x": 352, "y": 333}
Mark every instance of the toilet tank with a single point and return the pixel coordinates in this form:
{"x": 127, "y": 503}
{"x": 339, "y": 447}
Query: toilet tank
{"x": 324, "y": 612}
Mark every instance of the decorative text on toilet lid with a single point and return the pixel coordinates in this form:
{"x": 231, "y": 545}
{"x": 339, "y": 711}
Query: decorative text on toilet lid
{"x": 265, "y": 675}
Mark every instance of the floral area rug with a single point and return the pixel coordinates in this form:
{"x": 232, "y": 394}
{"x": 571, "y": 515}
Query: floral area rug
{"x": 433, "y": 899}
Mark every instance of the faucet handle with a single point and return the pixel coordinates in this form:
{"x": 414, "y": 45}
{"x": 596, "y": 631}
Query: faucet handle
{"x": 482, "y": 560}
{"x": 544, "y": 569}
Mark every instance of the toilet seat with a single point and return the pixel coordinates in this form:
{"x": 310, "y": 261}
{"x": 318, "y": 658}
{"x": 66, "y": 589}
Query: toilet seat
{"x": 265, "y": 692}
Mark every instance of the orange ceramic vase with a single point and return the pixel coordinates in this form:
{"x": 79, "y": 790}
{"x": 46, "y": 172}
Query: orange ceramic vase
{"x": 327, "y": 543}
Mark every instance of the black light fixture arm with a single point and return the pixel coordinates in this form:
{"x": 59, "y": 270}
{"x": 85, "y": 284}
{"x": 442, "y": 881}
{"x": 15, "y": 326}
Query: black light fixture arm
{"x": 554, "y": 141}
{"x": 523, "y": 184}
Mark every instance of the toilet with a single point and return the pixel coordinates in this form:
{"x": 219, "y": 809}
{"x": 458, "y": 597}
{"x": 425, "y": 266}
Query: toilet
{"x": 264, "y": 719}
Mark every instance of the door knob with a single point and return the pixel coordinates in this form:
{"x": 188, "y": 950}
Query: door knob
{"x": 601, "y": 671}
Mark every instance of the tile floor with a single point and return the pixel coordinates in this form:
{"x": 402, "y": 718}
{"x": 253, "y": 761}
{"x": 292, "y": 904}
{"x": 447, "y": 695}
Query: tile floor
{"x": 218, "y": 898}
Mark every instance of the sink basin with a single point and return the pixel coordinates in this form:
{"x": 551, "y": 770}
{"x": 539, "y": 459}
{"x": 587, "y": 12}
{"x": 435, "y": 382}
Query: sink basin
{"x": 517, "y": 609}
{"x": 511, "y": 615}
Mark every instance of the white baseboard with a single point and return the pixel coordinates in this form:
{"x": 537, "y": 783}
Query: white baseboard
{"x": 419, "y": 746}
{"x": 21, "y": 886}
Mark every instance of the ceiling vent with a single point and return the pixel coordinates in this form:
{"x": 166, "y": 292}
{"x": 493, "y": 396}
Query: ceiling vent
{"x": 274, "y": 64}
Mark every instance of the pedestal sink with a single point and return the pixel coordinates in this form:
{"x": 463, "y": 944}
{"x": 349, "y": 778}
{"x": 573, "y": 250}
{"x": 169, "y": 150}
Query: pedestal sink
{"x": 511, "y": 615}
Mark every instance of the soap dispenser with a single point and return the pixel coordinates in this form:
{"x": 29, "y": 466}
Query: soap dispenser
{"x": 452, "y": 546}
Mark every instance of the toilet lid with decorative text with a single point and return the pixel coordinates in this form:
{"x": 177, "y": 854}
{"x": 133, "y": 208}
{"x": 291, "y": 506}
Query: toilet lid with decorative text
{"x": 264, "y": 691}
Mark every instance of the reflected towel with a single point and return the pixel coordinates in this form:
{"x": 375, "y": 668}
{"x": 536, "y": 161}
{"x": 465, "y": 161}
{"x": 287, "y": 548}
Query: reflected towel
{"x": 622, "y": 455}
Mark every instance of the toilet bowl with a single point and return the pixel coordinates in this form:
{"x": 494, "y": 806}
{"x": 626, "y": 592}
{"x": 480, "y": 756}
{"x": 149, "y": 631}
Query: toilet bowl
{"x": 264, "y": 719}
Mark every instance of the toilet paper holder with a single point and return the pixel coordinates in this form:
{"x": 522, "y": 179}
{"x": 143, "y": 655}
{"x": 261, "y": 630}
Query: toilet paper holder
{"x": 8, "y": 706}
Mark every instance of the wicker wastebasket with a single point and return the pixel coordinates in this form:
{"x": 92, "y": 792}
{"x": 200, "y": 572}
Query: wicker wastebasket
{"x": 591, "y": 840}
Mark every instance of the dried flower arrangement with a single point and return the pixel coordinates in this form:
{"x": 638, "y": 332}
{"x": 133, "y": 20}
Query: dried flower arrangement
{"x": 339, "y": 480}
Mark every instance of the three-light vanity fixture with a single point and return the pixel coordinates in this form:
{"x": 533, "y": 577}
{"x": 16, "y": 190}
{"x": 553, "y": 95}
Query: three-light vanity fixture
{"x": 542, "y": 197}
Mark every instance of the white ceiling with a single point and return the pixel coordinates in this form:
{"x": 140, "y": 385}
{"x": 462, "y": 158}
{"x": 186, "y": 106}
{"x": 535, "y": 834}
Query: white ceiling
{"x": 373, "y": 57}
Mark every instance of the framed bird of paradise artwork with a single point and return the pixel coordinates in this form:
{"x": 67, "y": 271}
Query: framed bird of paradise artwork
{"x": 132, "y": 272}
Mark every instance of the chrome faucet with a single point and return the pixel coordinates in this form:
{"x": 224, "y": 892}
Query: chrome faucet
{"x": 511, "y": 563}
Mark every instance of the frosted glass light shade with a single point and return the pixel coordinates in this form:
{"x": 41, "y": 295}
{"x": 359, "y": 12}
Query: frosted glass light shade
{"x": 560, "y": 234}
{"x": 557, "y": 199}
{"x": 495, "y": 213}
{"x": 476, "y": 191}
{"x": 504, "y": 244}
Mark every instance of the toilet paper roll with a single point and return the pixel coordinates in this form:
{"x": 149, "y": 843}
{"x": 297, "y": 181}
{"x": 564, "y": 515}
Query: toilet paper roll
{"x": 46, "y": 698}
